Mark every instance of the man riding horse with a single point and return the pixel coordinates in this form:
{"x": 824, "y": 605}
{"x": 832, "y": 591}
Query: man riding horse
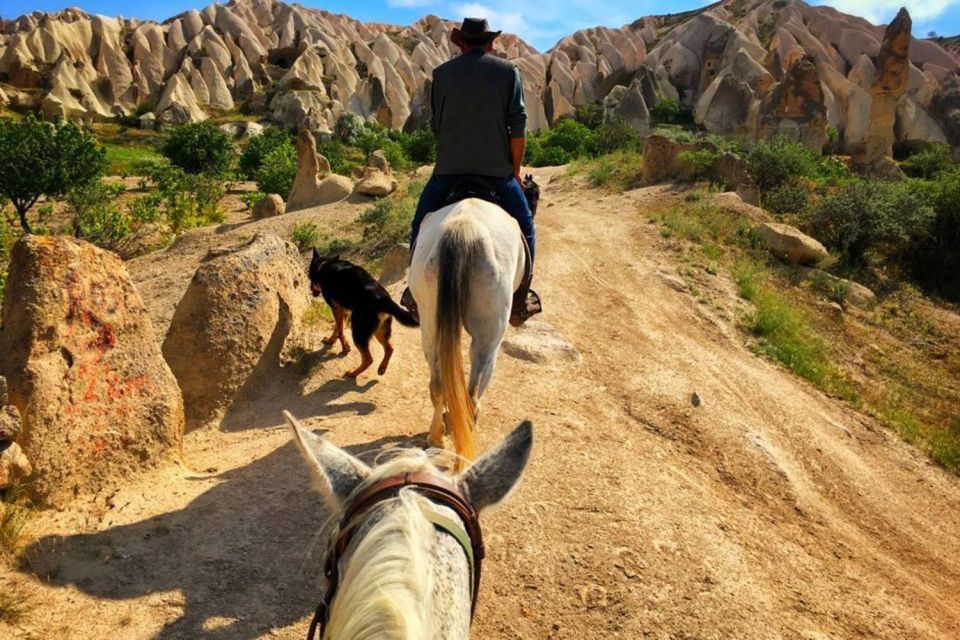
{"x": 479, "y": 120}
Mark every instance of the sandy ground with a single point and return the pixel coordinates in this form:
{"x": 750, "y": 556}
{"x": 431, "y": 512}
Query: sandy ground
{"x": 768, "y": 511}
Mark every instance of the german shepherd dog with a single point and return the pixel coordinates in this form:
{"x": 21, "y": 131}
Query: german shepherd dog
{"x": 349, "y": 289}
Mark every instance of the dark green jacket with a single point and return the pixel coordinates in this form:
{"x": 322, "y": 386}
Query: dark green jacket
{"x": 477, "y": 101}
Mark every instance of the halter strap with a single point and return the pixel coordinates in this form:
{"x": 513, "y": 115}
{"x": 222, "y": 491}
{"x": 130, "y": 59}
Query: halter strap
{"x": 437, "y": 490}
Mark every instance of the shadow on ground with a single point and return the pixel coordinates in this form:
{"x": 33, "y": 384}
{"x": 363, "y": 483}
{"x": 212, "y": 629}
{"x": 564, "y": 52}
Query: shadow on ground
{"x": 240, "y": 553}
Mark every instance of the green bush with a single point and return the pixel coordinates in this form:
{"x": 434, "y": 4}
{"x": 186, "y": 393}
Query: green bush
{"x": 252, "y": 198}
{"x": 775, "y": 163}
{"x": 935, "y": 257}
{"x": 787, "y": 198}
{"x": 420, "y": 146}
{"x": 305, "y": 235}
{"x": 260, "y": 146}
{"x": 868, "y": 220}
{"x": 387, "y": 221}
{"x": 199, "y": 147}
{"x": 348, "y": 128}
{"x": 95, "y": 216}
{"x": 700, "y": 162}
{"x": 927, "y": 164}
{"x": 38, "y": 158}
{"x": 667, "y": 111}
{"x": 278, "y": 171}
{"x": 617, "y": 135}
{"x": 573, "y": 137}
{"x": 187, "y": 200}
{"x": 590, "y": 115}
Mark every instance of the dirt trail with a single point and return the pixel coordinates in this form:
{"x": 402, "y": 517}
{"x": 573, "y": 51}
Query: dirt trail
{"x": 769, "y": 511}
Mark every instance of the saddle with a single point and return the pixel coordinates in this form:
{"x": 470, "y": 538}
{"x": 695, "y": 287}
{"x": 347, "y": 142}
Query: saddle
{"x": 485, "y": 188}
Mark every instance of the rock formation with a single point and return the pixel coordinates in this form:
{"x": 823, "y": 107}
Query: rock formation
{"x": 315, "y": 184}
{"x": 84, "y": 370}
{"x": 271, "y": 205}
{"x": 890, "y": 81}
{"x": 232, "y": 323}
{"x": 376, "y": 178}
{"x": 749, "y": 68}
{"x": 14, "y": 465}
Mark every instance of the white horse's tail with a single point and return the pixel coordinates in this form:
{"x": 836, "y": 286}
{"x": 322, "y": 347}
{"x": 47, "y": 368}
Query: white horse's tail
{"x": 458, "y": 248}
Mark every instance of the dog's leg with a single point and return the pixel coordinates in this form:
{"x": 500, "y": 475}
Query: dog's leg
{"x": 365, "y": 362}
{"x": 363, "y": 326}
{"x": 337, "y": 310}
{"x": 383, "y": 334}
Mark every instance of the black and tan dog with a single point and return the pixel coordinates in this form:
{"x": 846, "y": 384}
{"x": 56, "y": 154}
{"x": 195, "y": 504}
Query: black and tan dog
{"x": 349, "y": 289}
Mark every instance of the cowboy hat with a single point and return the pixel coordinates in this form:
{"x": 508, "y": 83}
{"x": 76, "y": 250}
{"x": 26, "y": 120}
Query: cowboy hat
{"x": 473, "y": 30}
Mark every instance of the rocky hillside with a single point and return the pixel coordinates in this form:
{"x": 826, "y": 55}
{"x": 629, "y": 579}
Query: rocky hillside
{"x": 742, "y": 67}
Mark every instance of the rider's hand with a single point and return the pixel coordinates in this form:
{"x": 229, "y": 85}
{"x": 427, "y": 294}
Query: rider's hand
{"x": 518, "y": 179}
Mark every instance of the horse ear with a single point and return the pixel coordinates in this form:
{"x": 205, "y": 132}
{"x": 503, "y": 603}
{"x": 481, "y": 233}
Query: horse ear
{"x": 488, "y": 480}
{"x": 335, "y": 472}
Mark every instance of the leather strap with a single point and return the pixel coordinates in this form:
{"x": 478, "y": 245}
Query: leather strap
{"x": 436, "y": 489}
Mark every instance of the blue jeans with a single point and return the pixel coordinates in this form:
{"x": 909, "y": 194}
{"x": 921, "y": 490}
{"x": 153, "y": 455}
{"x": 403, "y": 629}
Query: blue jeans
{"x": 509, "y": 191}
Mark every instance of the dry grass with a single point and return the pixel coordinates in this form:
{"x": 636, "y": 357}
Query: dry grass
{"x": 899, "y": 362}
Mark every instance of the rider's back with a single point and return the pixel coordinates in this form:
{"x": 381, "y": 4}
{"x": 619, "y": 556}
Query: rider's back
{"x": 477, "y": 100}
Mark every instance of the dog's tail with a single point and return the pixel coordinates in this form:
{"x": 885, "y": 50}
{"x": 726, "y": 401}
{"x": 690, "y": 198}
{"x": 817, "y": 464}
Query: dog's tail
{"x": 403, "y": 316}
{"x": 456, "y": 252}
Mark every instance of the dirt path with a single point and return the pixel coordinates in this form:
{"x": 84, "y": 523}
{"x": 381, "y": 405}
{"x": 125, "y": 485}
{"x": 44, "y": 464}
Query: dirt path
{"x": 769, "y": 511}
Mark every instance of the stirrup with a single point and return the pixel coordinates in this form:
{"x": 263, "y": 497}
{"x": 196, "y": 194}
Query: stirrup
{"x": 520, "y": 313}
{"x": 407, "y": 302}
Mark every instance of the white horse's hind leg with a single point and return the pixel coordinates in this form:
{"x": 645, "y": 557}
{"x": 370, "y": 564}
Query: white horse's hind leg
{"x": 486, "y": 334}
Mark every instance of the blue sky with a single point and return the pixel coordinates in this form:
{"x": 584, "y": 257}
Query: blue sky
{"x": 540, "y": 22}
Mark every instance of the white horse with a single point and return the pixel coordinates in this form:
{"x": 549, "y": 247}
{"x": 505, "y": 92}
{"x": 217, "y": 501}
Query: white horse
{"x": 468, "y": 262}
{"x": 403, "y": 576}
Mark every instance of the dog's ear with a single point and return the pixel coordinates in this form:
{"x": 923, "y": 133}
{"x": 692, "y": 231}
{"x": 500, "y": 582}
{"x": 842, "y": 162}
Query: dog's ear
{"x": 316, "y": 254}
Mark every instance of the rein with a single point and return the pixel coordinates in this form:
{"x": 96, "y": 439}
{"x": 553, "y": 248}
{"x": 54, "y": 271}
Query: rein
{"x": 435, "y": 489}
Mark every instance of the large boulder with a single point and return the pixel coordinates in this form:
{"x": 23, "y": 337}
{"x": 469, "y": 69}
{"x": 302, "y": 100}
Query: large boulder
{"x": 377, "y": 179}
{"x": 84, "y": 369}
{"x": 791, "y": 245}
{"x": 315, "y": 184}
{"x": 231, "y": 325}
{"x": 271, "y": 205}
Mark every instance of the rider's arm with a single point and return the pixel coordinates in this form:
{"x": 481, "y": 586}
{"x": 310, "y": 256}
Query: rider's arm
{"x": 517, "y": 124}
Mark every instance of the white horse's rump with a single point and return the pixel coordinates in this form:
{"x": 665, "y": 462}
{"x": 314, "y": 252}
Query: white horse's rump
{"x": 468, "y": 262}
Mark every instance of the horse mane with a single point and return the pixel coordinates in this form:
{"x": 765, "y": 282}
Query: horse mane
{"x": 386, "y": 588}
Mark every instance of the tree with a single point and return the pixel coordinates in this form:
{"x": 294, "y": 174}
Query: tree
{"x": 278, "y": 170}
{"x": 259, "y": 146}
{"x": 39, "y": 158}
{"x": 199, "y": 147}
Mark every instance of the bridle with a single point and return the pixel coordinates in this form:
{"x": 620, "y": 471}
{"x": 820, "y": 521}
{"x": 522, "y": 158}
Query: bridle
{"x": 434, "y": 488}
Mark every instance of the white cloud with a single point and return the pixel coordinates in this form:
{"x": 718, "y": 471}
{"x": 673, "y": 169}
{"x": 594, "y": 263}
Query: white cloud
{"x": 510, "y": 21}
{"x": 882, "y": 11}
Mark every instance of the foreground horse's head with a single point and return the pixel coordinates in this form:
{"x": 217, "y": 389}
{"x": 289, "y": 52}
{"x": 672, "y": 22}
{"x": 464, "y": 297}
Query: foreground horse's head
{"x": 405, "y": 560}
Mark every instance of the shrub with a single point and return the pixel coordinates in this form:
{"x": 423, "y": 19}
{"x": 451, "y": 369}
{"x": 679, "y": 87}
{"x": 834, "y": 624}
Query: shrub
{"x": 573, "y": 137}
{"x": 348, "y": 128}
{"x": 260, "y": 146}
{"x": 95, "y": 217}
{"x": 421, "y": 146}
{"x": 187, "y": 200}
{"x": 700, "y": 162}
{"x": 278, "y": 171}
{"x": 775, "y": 163}
{"x": 252, "y": 198}
{"x": 787, "y": 198}
{"x": 927, "y": 164}
{"x": 590, "y": 115}
{"x": 305, "y": 235}
{"x": 666, "y": 111}
{"x": 935, "y": 257}
{"x": 617, "y": 135}
{"x": 869, "y": 219}
{"x": 387, "y": 222}
{"x": 199, "y": 147}
{"x": 38, "y": 158}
